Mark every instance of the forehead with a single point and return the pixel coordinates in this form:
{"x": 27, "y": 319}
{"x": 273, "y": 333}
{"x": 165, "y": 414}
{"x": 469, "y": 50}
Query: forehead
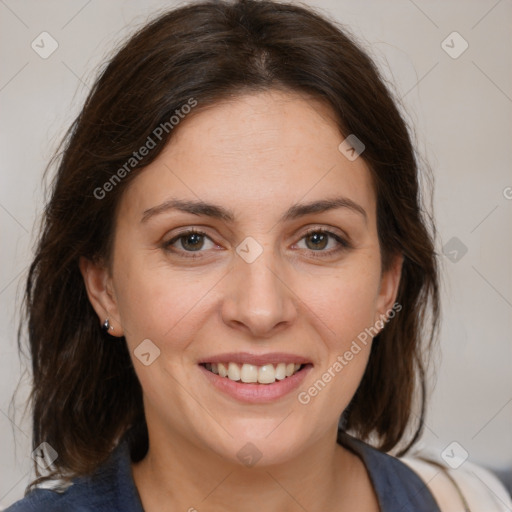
{"x": 272, "y": 148}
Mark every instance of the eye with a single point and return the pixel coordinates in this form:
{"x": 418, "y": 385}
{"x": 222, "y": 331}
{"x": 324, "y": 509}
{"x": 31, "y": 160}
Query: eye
{"x": 189, "y": 241}
{"x": 317, "y": 240}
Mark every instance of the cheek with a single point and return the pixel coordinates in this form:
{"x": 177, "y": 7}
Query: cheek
{"x": 342, "y": 308}
{"x": 156, "y": 302}
{"x": 345, "y": 301}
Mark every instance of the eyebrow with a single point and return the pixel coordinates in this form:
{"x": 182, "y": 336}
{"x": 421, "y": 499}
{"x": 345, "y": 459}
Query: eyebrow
{"x": 219, "y": 212}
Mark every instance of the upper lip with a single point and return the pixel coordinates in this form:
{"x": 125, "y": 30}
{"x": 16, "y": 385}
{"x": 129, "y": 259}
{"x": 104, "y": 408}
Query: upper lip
{"x": 256, "y": 359}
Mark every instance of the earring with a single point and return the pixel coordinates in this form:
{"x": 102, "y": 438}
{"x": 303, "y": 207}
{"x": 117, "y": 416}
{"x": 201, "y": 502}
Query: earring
{"x": 106, "y": 326}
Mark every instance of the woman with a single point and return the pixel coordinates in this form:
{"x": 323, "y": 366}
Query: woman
{"x": 235, "y": 281}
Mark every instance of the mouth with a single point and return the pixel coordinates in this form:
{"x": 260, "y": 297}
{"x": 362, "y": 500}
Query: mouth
{"x": 246, "y": 373}
{"x": 256, "y": 378}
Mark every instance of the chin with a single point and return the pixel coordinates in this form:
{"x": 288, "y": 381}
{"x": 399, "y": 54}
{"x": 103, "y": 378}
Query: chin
{"x": 261, "y": 447}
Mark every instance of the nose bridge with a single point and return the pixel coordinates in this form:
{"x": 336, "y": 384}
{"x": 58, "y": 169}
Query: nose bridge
{"x": 258, "y": 297}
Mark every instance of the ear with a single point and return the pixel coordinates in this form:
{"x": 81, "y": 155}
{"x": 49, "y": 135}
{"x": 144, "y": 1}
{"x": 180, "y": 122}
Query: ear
{"x": 389, "y": 283}
{"x": 100, "y": 290}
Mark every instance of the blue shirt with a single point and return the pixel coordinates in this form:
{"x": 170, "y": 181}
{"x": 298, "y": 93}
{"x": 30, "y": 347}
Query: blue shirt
{"x": 112, "y": 488}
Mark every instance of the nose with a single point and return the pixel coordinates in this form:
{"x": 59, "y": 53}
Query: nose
{"x": 259, "y": 298}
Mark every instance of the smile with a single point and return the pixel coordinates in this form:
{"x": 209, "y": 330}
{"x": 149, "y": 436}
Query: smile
{"x": 249, "y": 373}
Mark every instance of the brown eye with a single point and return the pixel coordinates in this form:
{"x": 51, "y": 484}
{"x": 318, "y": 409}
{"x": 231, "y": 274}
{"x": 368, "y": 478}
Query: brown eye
{"x": 318, "y": 240}
{"x": 192, "y": 241}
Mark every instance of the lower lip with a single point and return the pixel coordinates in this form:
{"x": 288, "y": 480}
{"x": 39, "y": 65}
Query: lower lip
{"x": 257, "y": 393}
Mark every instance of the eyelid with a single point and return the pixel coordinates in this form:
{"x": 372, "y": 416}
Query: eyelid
{"x": 341, "y": 238}
{"x": 167, "y": 244}
{"x": 329, "y": 230}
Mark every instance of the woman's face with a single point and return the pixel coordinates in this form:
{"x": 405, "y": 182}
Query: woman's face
{"x": 265, "y": 284}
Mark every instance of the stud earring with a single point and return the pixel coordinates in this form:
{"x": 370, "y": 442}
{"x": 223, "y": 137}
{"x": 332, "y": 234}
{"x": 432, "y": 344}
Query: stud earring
{"x": 106, "y": 326}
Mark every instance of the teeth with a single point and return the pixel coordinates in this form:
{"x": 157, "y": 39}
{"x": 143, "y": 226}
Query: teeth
{"x": 234, "y": 371}
{"x": 280, "y": 371}
{"x": 266, "y": 374}
{"x": 222, "y": 370}
{"x": 249, "y": 373}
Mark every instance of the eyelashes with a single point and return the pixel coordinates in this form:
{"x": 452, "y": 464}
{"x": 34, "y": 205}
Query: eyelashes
{"x": 189, "y": 235}
{"x": 326, "y": 235}
{"x": 195, "y": 239}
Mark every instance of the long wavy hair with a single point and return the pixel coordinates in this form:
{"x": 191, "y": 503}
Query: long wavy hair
{"x": 84, "y": 392}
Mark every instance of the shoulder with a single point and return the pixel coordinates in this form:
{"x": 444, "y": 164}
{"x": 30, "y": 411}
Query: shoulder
{"x": 109, "y": 489}
{"x": 397, "y": 486}
{"x": 465, "y": 487}
{"x": 40, "y": 500}
{"x": 79, "y": 497}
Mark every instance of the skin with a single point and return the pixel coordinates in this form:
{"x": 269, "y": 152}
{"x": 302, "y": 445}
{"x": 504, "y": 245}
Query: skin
{"x": 256, "y": 155}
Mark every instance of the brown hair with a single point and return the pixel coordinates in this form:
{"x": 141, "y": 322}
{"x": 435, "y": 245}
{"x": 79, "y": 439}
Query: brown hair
{"x": 85, "y": 394}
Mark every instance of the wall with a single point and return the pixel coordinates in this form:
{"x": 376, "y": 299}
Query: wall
{"x": 460, "y": 106}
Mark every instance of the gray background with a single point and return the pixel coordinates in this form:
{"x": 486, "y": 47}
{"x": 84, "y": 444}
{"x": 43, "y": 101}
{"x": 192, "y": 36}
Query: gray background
{"x": 460, "y": 107}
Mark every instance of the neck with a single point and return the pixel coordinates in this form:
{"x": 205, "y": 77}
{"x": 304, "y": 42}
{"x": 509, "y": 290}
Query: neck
{"x": 178, "y": 475}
